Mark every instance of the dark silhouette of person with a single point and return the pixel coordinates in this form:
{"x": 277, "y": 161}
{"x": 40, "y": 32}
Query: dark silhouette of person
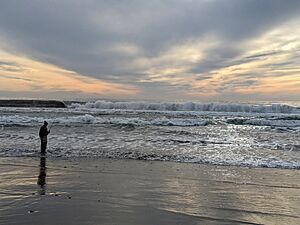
{"x": 42, "y": 176}
{"x": 43, "y": 136}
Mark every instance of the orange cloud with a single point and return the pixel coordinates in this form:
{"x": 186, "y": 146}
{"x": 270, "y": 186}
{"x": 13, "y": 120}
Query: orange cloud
{"x": 268, "y": 67}
{"x": 285, "y": 85}
{"x": 19, "y": 73}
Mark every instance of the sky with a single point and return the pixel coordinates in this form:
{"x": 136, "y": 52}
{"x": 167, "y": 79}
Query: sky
{"x": 198, "y": 50}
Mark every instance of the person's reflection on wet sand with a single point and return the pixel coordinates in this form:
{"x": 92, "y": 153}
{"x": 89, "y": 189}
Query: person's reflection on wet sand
{"x": 42, "y": 176}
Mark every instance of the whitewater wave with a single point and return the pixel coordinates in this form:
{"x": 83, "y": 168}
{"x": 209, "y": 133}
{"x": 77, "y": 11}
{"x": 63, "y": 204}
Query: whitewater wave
{"x": 264, "y": 122}
{"x": 162, "y": 121}
{"x": 90, "y": 119}
{"x": 189, "y": 106}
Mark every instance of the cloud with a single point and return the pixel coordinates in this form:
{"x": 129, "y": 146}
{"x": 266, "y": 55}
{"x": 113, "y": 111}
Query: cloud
{"x": 188, "y": 48}
{"x": 269, "y": 66}
{"x": 40, "y": 78}
{"x": 6, "y": 66}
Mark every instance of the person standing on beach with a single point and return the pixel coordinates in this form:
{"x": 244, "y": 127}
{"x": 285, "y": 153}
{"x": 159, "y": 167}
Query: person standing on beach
{"x": 43, "y": 136}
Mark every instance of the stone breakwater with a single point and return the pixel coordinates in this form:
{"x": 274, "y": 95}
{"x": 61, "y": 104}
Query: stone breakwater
{"x": 32, "y": 103}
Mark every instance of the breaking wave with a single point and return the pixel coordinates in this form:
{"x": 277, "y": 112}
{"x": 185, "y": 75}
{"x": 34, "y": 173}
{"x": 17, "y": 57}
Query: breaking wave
{"x": 89, "y": 119}
{"x": 265, "y": 122}
{"x": 189, "y": 106}
{"x": 18, "y": 120}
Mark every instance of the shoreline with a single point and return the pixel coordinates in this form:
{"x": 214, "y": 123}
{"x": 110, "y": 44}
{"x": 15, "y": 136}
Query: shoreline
{"x": 112, "y": 191}
{"x": 87, "y": 158}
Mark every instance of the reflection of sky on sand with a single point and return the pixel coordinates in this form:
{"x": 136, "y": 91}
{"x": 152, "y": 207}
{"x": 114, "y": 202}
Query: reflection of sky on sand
{"x": 16, "y": 187}
{"x": 197, "y": 196}
{"x": 138, "y": 192}
{"x": 227, "y": 193}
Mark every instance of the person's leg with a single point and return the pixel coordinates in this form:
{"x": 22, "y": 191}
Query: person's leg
{"x": 43, "y": 147}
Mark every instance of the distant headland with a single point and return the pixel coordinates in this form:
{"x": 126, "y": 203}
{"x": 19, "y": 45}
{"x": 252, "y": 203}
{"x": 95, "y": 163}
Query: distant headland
{"x": 31, "y": 103}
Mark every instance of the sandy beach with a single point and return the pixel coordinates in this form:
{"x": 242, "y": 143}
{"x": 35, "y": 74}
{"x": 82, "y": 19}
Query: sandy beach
{"x": 104, "y": 191}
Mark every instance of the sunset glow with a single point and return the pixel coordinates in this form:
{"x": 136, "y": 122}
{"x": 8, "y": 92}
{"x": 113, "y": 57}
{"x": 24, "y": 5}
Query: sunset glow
{"x": 23, "y": 74}
{"x": 217, "y": 54}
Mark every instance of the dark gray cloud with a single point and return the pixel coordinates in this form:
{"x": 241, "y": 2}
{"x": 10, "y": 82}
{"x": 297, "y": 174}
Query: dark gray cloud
{"x": 8, "y": 66}
{"x": 79, "y": 35}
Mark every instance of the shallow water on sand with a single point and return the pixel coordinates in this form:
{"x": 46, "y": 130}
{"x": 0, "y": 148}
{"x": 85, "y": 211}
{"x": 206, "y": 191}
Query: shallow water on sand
{"x": 85, "y": 191}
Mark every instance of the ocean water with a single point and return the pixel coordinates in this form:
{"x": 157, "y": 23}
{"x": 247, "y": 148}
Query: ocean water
{"x": 254, "y": 135}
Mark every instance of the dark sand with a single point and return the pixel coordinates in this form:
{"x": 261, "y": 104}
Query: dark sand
{"x": 138, "y": 192}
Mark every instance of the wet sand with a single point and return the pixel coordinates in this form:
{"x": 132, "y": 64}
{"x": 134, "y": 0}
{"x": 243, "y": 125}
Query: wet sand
{"x": 102, "y": 191}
